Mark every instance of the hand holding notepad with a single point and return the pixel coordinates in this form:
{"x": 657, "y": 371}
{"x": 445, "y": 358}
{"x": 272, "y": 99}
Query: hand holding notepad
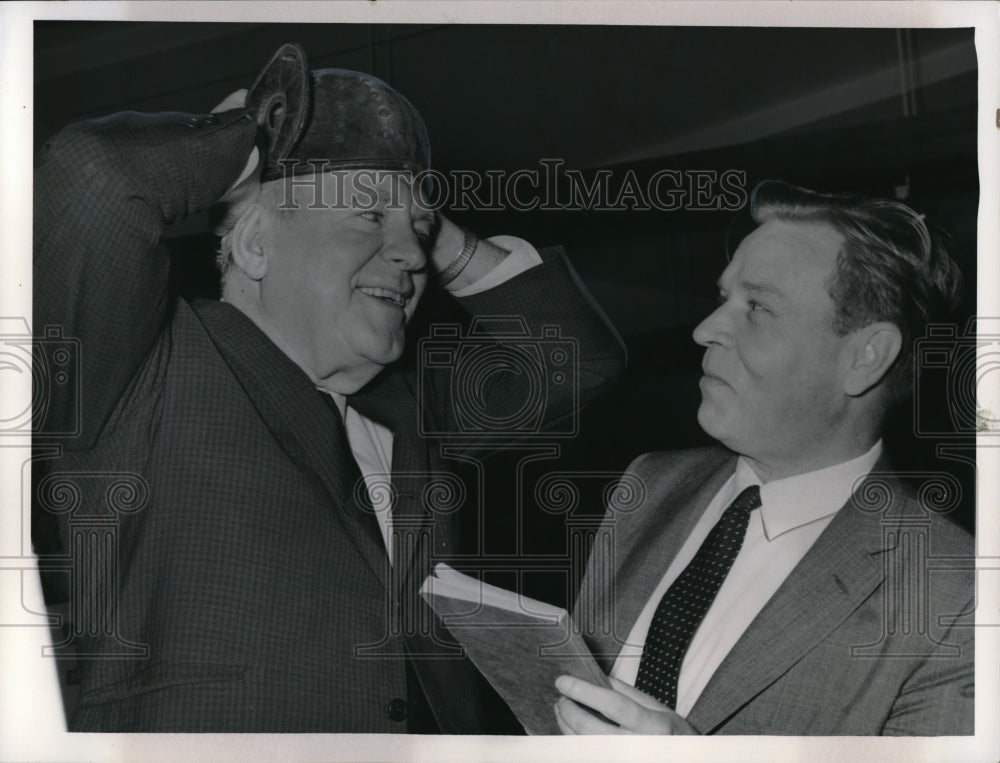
{"x": 519, "y": 644}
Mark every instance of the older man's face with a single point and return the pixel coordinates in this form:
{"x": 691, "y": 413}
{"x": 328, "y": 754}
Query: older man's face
{"x": 773, "y": 368}
{"x": 344, "y": 279}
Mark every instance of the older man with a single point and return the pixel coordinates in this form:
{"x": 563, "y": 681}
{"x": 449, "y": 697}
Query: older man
{"x": 780, "y": 585}
{"x": 248, "y": 585}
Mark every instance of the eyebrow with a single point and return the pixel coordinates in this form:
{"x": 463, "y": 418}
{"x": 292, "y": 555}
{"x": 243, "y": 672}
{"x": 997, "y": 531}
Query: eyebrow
{"x": 762, "y": 289}
{"x": 386, "y": 198}
{"x": 756, "y": 289}
{"x": 425, "y": 217}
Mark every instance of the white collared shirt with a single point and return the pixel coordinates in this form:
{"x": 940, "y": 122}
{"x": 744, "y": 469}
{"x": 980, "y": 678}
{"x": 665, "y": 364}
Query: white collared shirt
{"x": 793, "y": 513}
{"x": 371, "y": 443}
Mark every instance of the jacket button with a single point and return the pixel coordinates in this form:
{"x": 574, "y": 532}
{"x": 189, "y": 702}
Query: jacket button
{"x": 205, "y": 120}
{"x": 397, "y": 709}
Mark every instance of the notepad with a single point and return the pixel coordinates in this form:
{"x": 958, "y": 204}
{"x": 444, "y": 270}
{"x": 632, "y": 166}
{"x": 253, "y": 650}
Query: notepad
{"x": 519, "y": 644}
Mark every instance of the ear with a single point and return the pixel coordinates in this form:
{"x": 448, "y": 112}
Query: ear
{"x": 249, "y": 254}
{"x": 872, "y": 352}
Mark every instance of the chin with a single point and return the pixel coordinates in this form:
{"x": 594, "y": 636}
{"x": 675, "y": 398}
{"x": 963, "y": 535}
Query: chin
{"x": 354, "y": 380}
{"x": 378, "y": 344}
{"x": 388, "y": 353}
{"x": 713, "y": 421}
{"x": 374, "y": 363}
{"x": 728, "y": 436}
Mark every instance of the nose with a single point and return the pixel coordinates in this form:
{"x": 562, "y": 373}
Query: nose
{"x": 403, "y": 249}
{"x": 714, "y": 329}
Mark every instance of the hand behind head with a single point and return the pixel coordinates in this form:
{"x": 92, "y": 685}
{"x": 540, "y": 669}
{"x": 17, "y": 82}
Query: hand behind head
{"x": 246, "y": 188}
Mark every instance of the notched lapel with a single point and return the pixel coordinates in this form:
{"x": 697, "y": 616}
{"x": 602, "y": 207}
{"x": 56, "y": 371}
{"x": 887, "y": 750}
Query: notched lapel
{"x": 292, "y": 409}
{"x": 390, "y": 400}
{"x": 839, "y": 572}
{"x": 644, "y": 545}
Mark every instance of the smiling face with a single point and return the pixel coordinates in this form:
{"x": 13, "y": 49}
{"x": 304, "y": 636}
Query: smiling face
{"x": 774, "y": 367}
{"x": 343, "y": 280}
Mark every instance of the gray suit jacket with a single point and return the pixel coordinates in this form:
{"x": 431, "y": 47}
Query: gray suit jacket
{"x": 862, "y": 638}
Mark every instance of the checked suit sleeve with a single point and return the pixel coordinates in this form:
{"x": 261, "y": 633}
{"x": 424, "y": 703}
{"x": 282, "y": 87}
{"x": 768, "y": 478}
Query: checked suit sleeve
{"x": 104, "y": 191}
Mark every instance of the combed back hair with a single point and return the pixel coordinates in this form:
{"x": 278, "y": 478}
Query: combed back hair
{"x": 890, "y": 267}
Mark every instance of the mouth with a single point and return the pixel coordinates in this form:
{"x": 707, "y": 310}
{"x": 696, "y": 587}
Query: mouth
{"x": 709, "y": 376}
{"x": 388, "y": 296}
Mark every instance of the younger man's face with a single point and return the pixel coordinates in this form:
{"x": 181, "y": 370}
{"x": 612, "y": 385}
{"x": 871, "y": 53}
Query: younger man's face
{"x": 773, "y": 367}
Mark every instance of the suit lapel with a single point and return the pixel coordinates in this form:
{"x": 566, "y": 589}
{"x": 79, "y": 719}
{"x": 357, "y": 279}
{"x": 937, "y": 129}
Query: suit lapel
{"x": 644, "y": 545}
{"x": 307, "y": 429}
{"x": 390, "y": 400}
{"x": 836, "y": 575}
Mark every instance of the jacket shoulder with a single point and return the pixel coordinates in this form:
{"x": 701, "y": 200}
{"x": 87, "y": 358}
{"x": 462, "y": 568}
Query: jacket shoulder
{"x": 668, "y": 479}
{"x": 662, "y": 468}
{"x": 948, "y": 537}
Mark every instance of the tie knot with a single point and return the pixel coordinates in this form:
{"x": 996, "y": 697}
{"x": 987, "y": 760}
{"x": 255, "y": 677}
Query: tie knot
{"x": 748, "y": 499}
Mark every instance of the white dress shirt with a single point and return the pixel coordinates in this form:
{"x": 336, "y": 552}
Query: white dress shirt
{"x": 371, "y": 443}
{"x": 793, "y": 513}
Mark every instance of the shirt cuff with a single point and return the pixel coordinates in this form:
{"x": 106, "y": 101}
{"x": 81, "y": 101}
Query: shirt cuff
{"x": 523, "y": 256}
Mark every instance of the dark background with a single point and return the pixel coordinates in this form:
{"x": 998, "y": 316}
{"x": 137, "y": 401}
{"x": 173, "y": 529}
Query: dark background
{"x": 884, "y": 112}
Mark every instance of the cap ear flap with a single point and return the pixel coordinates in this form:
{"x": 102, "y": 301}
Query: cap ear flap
{"x": 247, "y": 243}
{"x": 280, "y": 101}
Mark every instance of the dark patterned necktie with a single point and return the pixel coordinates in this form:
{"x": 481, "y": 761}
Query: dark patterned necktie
{"x": 688, "y": 598}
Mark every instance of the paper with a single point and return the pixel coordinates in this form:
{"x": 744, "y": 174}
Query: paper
{"x": 519, "y": 644}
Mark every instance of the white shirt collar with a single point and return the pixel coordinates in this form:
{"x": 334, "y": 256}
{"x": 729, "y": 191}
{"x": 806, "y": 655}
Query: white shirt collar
{"x": 339, "y": 400}
{"x": 796, "y": 501}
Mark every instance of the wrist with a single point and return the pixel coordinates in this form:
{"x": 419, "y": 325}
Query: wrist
{"x": 452, "y": 242}
{"x": 447, "y": 244}
{"x": 454, "y": 268}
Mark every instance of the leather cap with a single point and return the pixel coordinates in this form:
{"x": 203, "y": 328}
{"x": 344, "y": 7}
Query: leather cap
{"x": 356, "y": 121}
{"x": 280, "y": 102}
